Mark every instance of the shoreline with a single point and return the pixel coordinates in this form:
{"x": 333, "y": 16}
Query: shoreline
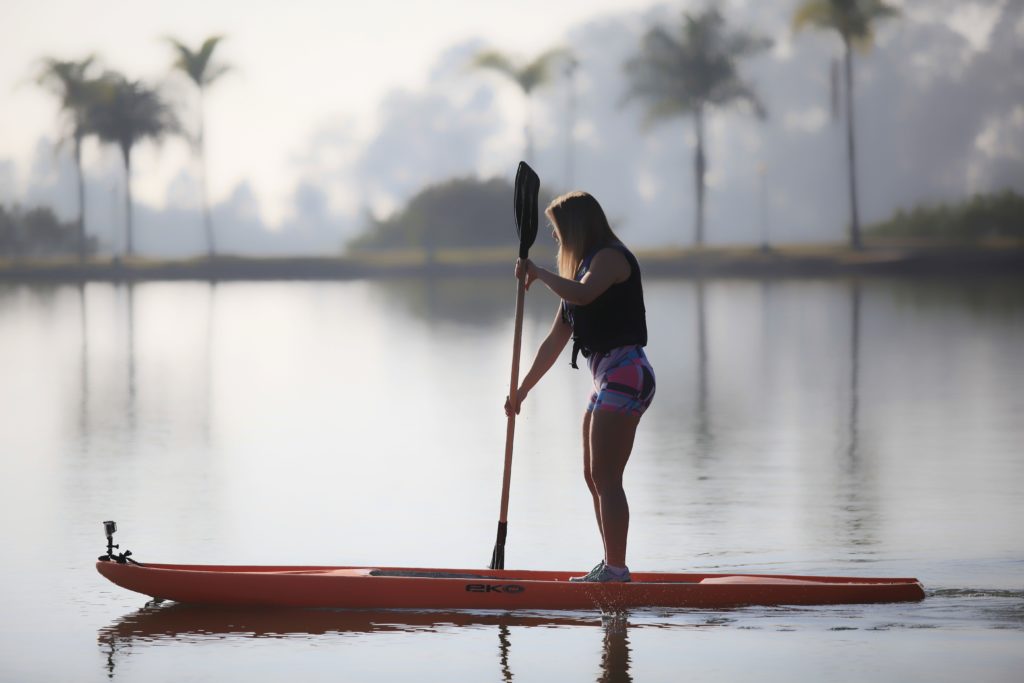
{"x": 782, "y": 262}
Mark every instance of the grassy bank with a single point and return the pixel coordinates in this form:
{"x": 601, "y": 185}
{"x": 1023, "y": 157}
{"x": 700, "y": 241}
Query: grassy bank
{"x": 795, "y": 261}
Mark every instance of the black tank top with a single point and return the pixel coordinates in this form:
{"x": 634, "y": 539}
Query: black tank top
{"x": 616, "y": 318}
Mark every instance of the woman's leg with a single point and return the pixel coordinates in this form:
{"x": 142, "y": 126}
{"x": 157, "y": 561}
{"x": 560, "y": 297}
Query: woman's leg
{"x": 611, "y": 442}
{"x": 587, "y": 474}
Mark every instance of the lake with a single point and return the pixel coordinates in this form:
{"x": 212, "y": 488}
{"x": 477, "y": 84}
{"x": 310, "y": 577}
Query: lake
{"x": 868, "y": 427}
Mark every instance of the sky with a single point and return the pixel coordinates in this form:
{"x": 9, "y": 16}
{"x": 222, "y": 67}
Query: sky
{"x": 298, "y": 66}
{"x": 332, "y": 112}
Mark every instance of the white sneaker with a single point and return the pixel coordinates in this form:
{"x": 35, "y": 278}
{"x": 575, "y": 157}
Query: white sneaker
{"x": 602, "y": 573}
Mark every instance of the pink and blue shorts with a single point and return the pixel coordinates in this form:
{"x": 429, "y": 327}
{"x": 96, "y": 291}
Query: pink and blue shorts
{"x": 623, "y": 381}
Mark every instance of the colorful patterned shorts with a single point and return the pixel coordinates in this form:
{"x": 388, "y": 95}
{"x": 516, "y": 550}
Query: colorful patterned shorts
{"x": 623, "y": 381}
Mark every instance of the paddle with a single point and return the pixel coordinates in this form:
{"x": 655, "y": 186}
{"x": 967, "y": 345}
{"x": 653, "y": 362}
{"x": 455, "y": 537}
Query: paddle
{"x": 525, "y": 201}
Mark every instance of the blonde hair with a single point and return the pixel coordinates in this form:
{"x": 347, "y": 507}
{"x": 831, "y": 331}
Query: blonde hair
{"x": 582, "y": 228}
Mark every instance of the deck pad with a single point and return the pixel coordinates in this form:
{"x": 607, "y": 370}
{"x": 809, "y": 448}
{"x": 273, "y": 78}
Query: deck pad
{"x": 416, "y": 574}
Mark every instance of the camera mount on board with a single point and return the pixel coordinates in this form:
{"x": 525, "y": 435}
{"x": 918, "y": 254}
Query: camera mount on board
{"x": 109, "y": 527}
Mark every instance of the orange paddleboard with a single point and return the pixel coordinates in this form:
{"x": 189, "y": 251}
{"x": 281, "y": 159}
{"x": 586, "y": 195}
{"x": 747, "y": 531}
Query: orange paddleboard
{"x": 426, "y": 588}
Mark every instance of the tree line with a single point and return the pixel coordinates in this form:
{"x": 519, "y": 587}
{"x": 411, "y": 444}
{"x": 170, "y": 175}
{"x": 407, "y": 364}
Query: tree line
{"x": 687, "y": 70}
{"x": 692, "y": 68}
{"x": 120, "y": 111}
{"x": 984, "y": 217}
{"x": 38, "y": 232}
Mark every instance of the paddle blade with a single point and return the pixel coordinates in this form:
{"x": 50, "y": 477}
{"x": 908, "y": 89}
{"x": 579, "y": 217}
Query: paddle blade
{"x": 527, "y": 189}
{"x": 498, "y": 555}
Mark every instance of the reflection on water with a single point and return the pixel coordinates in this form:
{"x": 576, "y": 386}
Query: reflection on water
{"x": 481, "y": 303}
{"x": 183, "y": 624}
{"x": 852, "y": 427}
{"x": 702, "y": 436}
{"x": 748, "y": 373}
{"x": 621, "y": 646}
{"x": 856, "y": 486}
{"x": 131, "y": 410}
{"x": 615, "y": 653}
{"x": 851, "y": 450}
{"x": 83, "y": 363}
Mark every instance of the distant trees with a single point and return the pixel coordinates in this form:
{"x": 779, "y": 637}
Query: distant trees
{"x": 38, "y": 232}
{"x": 686, "y": 71}
{"x": 124, "y": 113}
{"x": 201, "y": 70}
{"x": 464, "y": 212}
{"x": 77, "y": 91}
{"x": 683, "y": 69}
{"x": 527, "y": 75}
{"x": 121, "y": 111}
{"x": 995, "y": 216}
{"x": 854, "y": 21}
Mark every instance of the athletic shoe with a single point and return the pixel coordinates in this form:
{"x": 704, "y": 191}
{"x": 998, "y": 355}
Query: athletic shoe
{"x": 602, "y": 573}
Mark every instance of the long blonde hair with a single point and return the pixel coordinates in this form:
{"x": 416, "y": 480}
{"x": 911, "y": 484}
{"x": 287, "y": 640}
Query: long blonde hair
{"x": 582, "y": 227}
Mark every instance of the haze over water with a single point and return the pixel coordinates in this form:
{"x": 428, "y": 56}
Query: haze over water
{"x": 865, "y": 428}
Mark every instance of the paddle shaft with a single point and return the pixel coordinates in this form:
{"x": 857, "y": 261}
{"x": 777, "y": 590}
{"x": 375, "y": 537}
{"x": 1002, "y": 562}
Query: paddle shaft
{"x": 498, "y": 557}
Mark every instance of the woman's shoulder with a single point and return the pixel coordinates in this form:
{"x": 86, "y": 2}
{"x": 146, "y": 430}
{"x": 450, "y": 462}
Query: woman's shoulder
{"x": 612, "y": 256}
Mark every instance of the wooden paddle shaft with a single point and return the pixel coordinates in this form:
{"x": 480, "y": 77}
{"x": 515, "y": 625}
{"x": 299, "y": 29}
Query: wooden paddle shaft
{"x": 513, "y": 390}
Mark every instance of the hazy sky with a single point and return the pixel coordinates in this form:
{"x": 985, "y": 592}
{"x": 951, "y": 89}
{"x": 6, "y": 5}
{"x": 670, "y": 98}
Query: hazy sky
{"x": 333, "y": 110}
{"x": 300, "y": 65}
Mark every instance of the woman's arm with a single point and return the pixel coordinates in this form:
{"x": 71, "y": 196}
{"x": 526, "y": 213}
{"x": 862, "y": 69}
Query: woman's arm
{"x": 547, "y": 354}
{"x": 609, "y": 267}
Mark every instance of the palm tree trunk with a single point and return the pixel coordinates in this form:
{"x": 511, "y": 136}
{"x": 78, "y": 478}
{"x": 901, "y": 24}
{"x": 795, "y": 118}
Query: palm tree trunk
{"x": 528, "y": 133}
{"x": 129, "y": 247}
{"x": 81, "y": 199}
{"x": 570, "y": 141}
{"x": 851, "y": 150}
{"x": 207, "y": 223}
{"x": 699, "y": 169}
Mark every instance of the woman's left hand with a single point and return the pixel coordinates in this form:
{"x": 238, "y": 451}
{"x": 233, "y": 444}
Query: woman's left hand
{"x": 520, "y": 397}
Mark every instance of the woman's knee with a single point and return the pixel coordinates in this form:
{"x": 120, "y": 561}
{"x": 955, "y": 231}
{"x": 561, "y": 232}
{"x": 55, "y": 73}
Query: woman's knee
{"x": 588, "y": 476}
{"x": 605, "y": 481}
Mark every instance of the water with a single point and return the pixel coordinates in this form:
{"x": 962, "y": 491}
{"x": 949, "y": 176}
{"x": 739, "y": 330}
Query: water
{"x": 837, "y": 427}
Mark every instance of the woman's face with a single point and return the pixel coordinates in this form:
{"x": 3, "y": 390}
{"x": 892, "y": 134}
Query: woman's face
{"x": 555, "y": 235}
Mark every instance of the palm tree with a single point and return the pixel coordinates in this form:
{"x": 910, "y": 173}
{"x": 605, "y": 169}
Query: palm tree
{"x": 854, "y": 21}
{"x": 528, "y": 76}
{"x": 198, "y": 67}
{"x": 570, "y": 66}
{"x": 70, "y": 82}
{"x": 125, "y": 113}
{"x": 688, "y": 70}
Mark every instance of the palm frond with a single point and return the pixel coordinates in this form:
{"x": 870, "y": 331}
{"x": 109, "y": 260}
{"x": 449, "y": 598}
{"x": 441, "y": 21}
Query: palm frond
{"x": 66, "y": 79}
{"x": 679, "y": 72}
{"x": 197, "y": 64}
{"x": 75, "y": 88}
{"x": 737, "y": 91}
{"x": 129, "y": 111}
{"x": 816, "y": 14}
{"x": 538, "y": 72}
{"x": 492, "y": 59}
{"x": 854, "y": 20}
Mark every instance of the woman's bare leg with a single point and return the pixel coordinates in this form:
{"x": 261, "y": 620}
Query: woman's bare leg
{"x": 587, "y": 473}
{"x": 611, "y": 442}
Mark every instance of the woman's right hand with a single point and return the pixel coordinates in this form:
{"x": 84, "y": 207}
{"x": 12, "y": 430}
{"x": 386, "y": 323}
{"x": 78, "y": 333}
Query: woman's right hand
{"x": 527, "y": 271}
{"x": 520, "y": 397}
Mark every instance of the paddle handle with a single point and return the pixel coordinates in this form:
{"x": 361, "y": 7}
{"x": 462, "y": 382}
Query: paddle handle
{"x": 498, "y": 557}
{"x": 513, "y": 391}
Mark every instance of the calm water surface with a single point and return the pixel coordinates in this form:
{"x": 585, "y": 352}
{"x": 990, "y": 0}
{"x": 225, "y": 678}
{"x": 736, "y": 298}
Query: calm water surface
{"x": 834, "y": 427}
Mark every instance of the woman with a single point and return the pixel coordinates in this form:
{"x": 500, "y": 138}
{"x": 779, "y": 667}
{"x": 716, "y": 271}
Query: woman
{"x": 602, "y": 310}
